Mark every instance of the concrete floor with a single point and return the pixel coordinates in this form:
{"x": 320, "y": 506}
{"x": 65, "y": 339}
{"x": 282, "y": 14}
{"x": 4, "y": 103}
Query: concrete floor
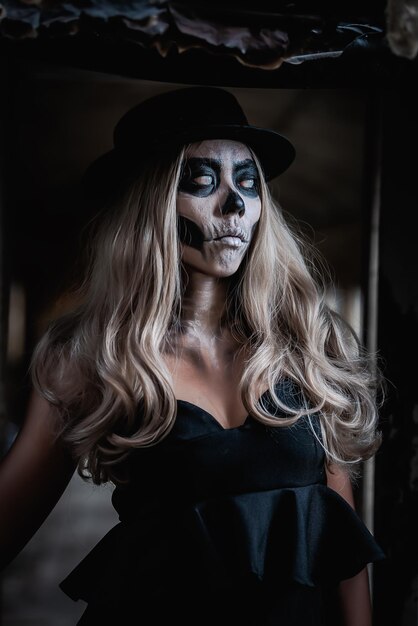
{"x": 30, "y": 595}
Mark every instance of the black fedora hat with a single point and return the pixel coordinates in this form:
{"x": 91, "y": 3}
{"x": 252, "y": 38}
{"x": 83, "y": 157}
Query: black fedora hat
{"x": 172, "y": 119}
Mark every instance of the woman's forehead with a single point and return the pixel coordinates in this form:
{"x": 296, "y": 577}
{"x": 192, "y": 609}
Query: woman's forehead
{"x": 221, "y": 149}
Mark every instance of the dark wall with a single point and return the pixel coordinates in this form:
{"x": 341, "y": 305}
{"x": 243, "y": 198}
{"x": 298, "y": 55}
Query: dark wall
{"x": 396, "y": 519}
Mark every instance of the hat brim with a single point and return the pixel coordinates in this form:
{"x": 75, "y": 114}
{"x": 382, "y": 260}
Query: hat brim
{"x": 274, "y": 151}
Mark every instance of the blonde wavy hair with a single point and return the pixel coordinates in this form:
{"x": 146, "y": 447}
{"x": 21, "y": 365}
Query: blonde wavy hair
{"x": 103, "y": 363}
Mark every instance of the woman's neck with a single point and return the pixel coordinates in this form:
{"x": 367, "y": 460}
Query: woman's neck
{"x": 203, "y": 305}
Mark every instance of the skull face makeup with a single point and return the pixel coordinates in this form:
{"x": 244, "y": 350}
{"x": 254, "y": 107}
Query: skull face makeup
{"x": 218, "y": 206}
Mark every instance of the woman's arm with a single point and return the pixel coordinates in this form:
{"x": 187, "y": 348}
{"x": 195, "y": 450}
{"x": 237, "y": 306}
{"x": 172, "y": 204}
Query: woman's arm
{"x": 33, "y": 475}
{"x": 354, "y": 593}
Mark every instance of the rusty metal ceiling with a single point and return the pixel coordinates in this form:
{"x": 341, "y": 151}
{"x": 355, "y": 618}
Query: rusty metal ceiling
{"x": 264, "y": 43}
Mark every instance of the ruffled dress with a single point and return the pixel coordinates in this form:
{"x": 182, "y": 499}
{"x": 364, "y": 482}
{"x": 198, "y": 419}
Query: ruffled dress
{"x": 225, "y": 527}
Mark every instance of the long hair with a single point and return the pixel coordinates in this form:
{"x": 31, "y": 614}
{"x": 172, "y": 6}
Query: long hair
{"x": 103, "y": 363}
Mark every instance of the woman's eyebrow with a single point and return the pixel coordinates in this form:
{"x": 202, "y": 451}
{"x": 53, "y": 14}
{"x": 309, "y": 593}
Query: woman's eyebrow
{"x": 246, "y": 164}
{"x": 217, "y": 163}
{"x": 199, "y": 161}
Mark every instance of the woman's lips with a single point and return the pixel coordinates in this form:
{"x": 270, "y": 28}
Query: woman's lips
{"x": 230, "y": 240}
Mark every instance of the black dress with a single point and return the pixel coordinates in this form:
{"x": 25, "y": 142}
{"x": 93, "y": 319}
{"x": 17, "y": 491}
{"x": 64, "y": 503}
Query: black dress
{"x": 225, "y": 526}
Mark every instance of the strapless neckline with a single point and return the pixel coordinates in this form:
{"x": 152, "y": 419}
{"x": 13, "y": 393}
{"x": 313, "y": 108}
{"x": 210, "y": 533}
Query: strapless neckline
{"x": 212, "y": 418}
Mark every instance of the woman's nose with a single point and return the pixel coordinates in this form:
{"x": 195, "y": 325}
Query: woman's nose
{"x": 233, "y": 204}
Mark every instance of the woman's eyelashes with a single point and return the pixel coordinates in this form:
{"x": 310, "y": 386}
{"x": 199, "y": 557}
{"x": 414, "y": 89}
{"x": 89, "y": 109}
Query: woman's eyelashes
{"x": 204, "y": 180}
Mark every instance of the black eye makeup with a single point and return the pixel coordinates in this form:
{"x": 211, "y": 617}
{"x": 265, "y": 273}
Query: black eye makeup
{"x": 199, "y": 177}
{"x": 246, "y": 178}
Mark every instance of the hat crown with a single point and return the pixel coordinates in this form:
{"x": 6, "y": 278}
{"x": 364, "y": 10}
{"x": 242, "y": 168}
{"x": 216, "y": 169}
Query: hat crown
{"x": 179, "y": 111}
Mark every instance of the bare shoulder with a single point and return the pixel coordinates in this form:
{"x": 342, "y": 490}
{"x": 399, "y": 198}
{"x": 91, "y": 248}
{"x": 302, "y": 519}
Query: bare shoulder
{"x": 38, "y": 433}
{"x": 37, "y": 450}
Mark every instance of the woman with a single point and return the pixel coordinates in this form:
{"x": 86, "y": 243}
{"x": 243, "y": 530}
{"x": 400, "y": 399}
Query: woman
{"x": 203, "y": 374}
